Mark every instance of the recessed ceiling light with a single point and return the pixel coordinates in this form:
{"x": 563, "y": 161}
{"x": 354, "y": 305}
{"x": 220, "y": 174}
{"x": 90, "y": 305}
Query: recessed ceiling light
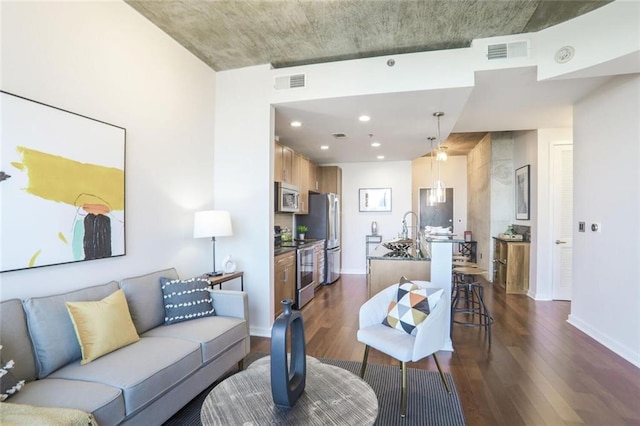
{"x": 380, "y": 157}
{"x": 324, "y": 146}
{"x": 296, "y": 124}
{"x": 364, "y": 118}
{"x": 375, "y": 144}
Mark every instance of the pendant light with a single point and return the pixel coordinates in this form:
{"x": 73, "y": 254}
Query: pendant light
{"x": 431, "y": 200}
{"x": 440, "y": 189}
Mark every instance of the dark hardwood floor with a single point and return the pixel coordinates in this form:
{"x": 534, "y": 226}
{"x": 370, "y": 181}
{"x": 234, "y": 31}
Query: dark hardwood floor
{"x": 539, "y": 369}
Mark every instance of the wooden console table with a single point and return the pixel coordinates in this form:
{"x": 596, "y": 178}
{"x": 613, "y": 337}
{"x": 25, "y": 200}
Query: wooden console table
{"x": 227, "y": 277}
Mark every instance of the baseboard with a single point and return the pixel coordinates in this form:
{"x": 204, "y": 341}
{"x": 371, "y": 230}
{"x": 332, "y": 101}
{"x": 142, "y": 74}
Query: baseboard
{"x": 260, "y": 331}
{"x": 632, "y": 356}
{"x": 354, "y": 271}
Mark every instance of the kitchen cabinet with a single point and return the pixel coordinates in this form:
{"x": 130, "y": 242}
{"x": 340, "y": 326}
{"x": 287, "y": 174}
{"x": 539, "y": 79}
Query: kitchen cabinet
{"x": 314, "y": 177}
{"x": 301, "y": 180}
{"x": 283, "y": 164}
{"x": 284, "y": 281}
{"x": 331, "y": 179}
{"x": 511, "y": 265}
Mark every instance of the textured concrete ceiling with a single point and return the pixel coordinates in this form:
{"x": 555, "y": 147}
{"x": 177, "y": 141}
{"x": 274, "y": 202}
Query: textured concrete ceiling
{"x": 235, "y": 34}
{"x": 239, "y": 33}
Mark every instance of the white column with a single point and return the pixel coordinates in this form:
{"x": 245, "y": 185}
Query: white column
{"x": 441, "y": 257}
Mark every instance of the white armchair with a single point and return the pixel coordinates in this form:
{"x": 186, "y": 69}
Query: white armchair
{"x": 431, "y": 335}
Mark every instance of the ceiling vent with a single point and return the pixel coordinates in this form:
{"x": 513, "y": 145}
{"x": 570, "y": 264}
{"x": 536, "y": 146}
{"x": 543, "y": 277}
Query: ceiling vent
{"x": 291, "y": 81}
{"x": 339, "y": 135}
{"x": 516, "y": 49}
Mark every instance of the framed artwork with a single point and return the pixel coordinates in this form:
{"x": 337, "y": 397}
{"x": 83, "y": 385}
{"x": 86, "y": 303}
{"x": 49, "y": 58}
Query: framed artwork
{"x": 62, "y": 186}
{"x": 375, "y": 199}
{"x": 523, "y": 206}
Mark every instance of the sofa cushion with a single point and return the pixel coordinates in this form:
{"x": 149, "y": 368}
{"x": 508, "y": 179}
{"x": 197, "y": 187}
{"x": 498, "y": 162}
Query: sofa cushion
{"x": 14, "y": 337}
{"x": 52, "y": 334}
{"x": 213, "y": 334}
{"x": 106, "y": 403}
{"x": 185, "y": 300}
{"x": 102, "y": 326}
{"x": 144, "y": 297}
{"x": 143, "y": 370}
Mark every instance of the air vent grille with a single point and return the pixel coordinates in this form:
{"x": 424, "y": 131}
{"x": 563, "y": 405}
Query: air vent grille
{"x": 516, "y": 49}
{"x": 339, "y": 135}
{"x": 497, "y": 51}
{"x": 290, "y": 81}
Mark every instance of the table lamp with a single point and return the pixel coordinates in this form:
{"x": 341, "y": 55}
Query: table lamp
{"x": 212, "y": 223}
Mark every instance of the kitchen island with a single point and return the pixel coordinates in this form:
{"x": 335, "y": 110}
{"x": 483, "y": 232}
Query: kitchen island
{"x": 383, "y": 270}
{"x": 385, "y": 267}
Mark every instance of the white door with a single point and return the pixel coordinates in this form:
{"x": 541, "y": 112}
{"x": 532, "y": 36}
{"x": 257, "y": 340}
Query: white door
{"x": 562, "y": 199}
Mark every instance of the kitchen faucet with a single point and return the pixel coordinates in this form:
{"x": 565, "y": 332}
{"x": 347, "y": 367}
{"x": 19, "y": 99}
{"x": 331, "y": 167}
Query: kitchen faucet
{"x": 405, "y": 229}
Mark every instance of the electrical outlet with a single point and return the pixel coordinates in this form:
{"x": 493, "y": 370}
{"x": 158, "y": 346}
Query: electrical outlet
{"x": 581, "y": 226}
{"x": 596, "y": 227}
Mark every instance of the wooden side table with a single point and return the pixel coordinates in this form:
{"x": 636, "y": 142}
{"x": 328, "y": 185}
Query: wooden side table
{"x": 217, "y": 281}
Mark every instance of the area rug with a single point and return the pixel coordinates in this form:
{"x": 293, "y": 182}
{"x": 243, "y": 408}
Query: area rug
{"x": 428, "y": 403}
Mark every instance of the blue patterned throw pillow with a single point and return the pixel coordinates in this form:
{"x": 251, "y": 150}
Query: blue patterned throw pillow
{"x": 186, "y": 299}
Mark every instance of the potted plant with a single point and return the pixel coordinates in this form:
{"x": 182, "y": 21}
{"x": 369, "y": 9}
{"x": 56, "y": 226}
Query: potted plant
{"x": 302, "y": 229}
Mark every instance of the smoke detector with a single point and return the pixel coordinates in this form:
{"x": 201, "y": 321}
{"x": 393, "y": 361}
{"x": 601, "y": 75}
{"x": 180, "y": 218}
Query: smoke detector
{"x": 564, "y": 54}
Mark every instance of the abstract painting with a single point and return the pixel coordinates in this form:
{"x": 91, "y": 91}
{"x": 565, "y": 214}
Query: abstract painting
{"x": 62, "y": 186}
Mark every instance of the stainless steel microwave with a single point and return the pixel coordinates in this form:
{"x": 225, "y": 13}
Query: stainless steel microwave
{"x": 287, "y": 198}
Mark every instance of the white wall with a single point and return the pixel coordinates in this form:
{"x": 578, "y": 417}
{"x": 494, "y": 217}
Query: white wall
{"x": 105, "y": 61}
{"x": 606, "y": 264}
{"x": 244, "y": 182}
{"x": 525, "y": 151}
{"x": 356, "y": 224}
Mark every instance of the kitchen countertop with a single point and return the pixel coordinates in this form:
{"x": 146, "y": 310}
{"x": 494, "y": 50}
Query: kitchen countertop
{"x": 294, "y": 245}
{"x": 421, "y": 255}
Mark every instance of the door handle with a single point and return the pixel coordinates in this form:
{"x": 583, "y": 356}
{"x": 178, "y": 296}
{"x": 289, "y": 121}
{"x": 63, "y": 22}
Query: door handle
{"x": 560, "y": 242}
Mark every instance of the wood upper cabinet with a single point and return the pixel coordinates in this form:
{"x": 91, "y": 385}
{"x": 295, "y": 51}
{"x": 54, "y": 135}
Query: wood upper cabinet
{"x": 283, "y": 164}
{"x": 301, "y": 180}
{"x": 330, "y": 179}
{"x": 314, "y": 177}
{"x": 511, "y": 265}
{"x": 284, "y": 280}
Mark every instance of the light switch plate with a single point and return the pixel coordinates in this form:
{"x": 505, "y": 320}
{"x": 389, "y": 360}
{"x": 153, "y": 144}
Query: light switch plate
{"x": 581, "y": 226}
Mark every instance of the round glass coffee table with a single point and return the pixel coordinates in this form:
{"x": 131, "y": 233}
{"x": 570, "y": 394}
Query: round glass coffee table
{"x": 332, "y": 396}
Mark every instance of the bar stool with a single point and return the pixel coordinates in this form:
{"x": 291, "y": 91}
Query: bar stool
{"x": 471, "y": 293}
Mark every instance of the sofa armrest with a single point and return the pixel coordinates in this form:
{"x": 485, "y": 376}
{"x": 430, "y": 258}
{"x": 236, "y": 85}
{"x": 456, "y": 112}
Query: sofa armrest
{"x": 231, "y": 303}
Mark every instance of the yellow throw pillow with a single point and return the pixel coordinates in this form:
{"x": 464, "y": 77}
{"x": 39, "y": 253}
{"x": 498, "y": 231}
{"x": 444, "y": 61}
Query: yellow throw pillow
{"x": 102, "y": 326}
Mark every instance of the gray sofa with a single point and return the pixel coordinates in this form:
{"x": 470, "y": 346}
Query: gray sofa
{"x": 143, "y": 383}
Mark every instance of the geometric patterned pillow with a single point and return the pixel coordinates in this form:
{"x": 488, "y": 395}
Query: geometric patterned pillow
{"x": 8, "y": 384}
{"x": 186, "y": 299}
{"x": 411, "y": 306}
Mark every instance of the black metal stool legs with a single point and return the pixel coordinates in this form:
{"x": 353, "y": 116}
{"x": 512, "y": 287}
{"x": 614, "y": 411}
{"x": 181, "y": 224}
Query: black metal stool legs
{"x": 474, "y": 308}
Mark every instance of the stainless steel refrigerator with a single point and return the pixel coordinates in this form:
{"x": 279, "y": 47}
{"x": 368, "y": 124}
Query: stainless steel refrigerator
{"x": 323, "y": 222}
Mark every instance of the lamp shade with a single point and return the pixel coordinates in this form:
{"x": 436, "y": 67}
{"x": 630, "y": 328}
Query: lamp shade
{"x": 212, "y": 223}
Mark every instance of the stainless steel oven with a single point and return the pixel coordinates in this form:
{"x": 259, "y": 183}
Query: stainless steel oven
{"x": 305, "y": 282}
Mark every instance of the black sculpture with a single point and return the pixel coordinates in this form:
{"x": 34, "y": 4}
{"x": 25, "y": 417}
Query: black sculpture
{"x": 288, "y": 378}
